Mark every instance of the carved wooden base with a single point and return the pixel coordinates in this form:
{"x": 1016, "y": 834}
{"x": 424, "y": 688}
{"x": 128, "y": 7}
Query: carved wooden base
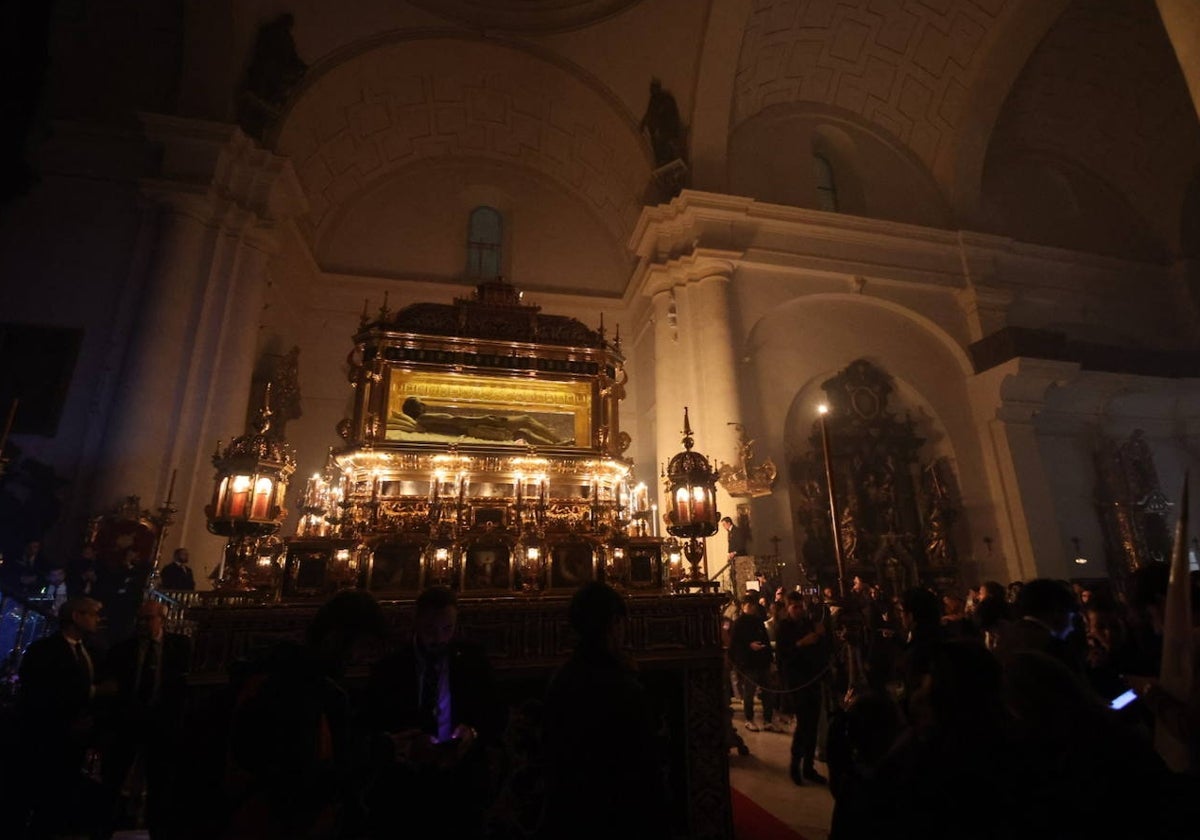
{"x": 675, "y": 641}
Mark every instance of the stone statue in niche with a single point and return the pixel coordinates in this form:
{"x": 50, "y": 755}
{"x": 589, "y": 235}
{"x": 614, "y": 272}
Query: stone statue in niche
{"x": 274, "y": 71}
{"x": 664, "y": 129}
{"x": 662, "y": 125}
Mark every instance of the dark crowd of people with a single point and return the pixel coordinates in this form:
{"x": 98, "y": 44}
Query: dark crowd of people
{"x": 1003, "y": 713}
{"x": 350, "y": 732}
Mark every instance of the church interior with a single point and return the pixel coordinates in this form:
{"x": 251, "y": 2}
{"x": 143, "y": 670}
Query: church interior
{"x": 509, "y": 296}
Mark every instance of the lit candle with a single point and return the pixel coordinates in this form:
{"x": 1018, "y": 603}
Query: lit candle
{"x": 682, "y": 506}
{"x": 239, "y": 495}
{"x": 654, "y": 519}
{"x": 699, "y": 504}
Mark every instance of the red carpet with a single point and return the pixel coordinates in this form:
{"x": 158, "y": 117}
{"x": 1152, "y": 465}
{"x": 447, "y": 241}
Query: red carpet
{"x": 752, "y": 822}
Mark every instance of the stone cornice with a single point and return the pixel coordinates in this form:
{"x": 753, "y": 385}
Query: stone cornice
{"x": 216, "y": 173}
{"x": 689, "y": 268}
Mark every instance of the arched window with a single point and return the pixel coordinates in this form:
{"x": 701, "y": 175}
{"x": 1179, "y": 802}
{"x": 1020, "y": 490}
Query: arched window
{"x": 485, "y": 232}
{"x": 827, "y": 198}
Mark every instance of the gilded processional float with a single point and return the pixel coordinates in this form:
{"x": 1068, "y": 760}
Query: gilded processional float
{"x": 484, "y": 453}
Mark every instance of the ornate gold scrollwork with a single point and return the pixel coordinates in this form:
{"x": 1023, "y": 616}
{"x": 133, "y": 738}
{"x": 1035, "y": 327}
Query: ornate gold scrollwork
{"x": 746, "y": 478}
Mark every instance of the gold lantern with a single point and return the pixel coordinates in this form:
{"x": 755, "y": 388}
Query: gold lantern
{"x": 691, "y": 486}
{"x": 530, "y": 563}
{"x": 249, "y": 490}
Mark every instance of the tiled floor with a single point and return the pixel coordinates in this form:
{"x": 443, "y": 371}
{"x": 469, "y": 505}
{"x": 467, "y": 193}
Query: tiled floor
{"x": 763, "y": 776}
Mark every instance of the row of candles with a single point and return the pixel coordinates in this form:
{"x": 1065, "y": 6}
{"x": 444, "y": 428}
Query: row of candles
{"x": 323, "y": 494}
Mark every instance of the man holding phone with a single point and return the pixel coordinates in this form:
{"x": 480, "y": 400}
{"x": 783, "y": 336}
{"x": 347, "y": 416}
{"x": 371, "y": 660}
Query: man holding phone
{"x": 436, "y": 698}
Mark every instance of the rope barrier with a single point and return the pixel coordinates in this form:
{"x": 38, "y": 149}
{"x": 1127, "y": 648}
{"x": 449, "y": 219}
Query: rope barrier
{"x": 743, "y": 676}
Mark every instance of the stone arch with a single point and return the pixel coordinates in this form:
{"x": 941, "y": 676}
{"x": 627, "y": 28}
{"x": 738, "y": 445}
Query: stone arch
{"x": 795, "y": 344}
{"x": 904, "y": 403}
{"x": 1049, "y": 200}
{"x": 412, "y": 222}
{"x": 903, "y": 67}
{"x": 958, "y": 165}
{"x": 1120, "y": 129}
{"x": 902, "y": 316}
{"x": 885, "y": 179}
{"x": 364, "y": 114}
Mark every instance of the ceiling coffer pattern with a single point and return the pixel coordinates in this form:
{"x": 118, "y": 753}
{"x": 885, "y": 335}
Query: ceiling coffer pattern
{"x": 904, "y": 65}
{"x": 419, "y": 100}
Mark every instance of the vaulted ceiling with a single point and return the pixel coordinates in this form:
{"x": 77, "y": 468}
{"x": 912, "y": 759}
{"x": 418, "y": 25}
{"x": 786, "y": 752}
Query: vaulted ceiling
{"x": 1058, "y": 121}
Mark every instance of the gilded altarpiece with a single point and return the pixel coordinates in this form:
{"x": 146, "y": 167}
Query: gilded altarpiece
{"x": 896, "y": 513}
{"x": 1132, "y": 506}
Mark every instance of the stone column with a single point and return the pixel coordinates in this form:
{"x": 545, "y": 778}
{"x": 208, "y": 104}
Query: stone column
{"x": 717, "y": 399}
{"x": 147, "y": 401}
{"x": 191, "y": 353}
{"x": 1007, "y": 400}
{"x": 669, "y": 366}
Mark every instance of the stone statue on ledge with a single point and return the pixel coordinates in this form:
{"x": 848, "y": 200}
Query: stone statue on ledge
{"x": 274, "y": 72}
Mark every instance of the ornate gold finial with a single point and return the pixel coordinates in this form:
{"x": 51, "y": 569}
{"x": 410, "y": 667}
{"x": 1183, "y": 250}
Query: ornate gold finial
{"x": 263, "y": 422}
{"x": 617, "y": 338}
{"x": 384, "y": 312}
{"x": 600, "y": 331}
{"x": 743, "y": 479}
{"x": 687, "y": 431}
{"x": 363, "y": 319}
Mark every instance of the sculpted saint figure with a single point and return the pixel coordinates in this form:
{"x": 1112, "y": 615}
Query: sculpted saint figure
{"x": 416, "y": 417}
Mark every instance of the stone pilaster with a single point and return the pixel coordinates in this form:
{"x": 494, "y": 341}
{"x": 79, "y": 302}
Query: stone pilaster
{"x": 1007, "y": 400}
{"x": 190, "y": 355}
{"x": 668, "y": 368}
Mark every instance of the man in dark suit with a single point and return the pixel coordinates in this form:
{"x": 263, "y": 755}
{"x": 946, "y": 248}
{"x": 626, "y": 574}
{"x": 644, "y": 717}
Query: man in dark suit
{"x": 436, "y": 697}
{"x": 57, "y": 677}
{"x": 147, "y": 675}
{"x": 737, "y": 538}
{"x": 177, "y": 574}
{"x": 120, "y": 590}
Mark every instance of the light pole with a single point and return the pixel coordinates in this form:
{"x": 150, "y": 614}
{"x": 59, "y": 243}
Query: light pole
{"x": 822, "y": 411}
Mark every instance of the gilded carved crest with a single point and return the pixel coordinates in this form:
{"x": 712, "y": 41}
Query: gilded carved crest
{"x": 895, "y": 512}
{"x": 745, "y": 478}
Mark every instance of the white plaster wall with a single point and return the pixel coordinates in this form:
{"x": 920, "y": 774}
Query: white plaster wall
{"x": 414, "y": 224}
